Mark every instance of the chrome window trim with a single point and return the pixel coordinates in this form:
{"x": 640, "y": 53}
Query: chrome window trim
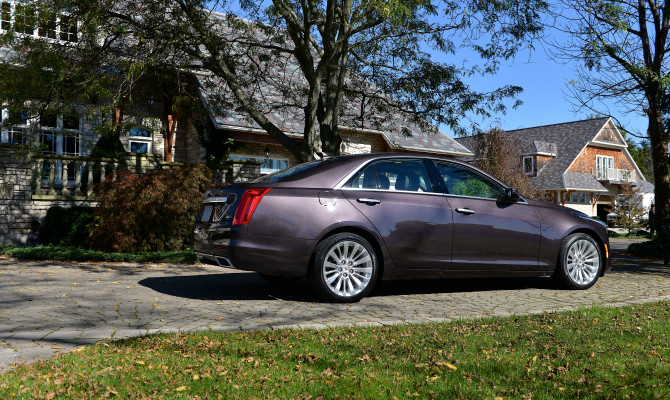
{"x": 390, "y": 191}
{"x": 484, "y": 198}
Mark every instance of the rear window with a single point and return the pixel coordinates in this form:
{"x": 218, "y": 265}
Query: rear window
{"x": 286, "y": 174}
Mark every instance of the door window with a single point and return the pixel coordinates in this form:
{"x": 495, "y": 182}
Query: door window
{"x": 403, "y": 175}
{"x": 461, "y": 181}
{"x": 396, "y": 175}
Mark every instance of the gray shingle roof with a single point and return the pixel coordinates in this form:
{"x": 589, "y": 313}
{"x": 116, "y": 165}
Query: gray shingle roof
{"x": 582, "y": 181}
{"x": 290, "y": 119}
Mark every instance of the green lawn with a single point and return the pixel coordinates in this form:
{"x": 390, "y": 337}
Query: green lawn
{"x": 67, "y": 253}
{"x": 597, "y": 353}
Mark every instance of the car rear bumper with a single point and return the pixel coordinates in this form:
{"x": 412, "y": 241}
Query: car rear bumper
{"x": 266, "y": 254}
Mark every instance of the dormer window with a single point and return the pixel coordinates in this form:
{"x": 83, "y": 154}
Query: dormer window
{"x": 528, "y": 165}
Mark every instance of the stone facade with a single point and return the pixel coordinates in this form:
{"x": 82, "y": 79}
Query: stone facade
{"x": 20, "y": 214}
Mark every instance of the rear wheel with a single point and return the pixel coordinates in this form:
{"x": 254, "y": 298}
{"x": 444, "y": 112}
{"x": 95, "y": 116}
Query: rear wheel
{"x": 344, "y": 268}
{"x": 579, "y": 262}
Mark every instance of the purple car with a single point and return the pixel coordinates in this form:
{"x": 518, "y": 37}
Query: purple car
{"x": 347, "y": 222}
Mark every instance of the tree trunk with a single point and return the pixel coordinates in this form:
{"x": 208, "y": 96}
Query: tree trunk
{"x": 659, "y": 153}
{"x": 170, "y": 120}
{"x": 117, "y": 116}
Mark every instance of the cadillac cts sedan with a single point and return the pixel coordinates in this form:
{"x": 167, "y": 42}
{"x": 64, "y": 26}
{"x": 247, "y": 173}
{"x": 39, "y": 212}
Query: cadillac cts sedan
{"x": 347, "y": 222}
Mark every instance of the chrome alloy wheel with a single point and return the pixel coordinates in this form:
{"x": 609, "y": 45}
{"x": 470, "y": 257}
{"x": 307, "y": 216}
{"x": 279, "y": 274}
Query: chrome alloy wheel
{"x": 347, "y": 268}
{"x": 583, "y": 262}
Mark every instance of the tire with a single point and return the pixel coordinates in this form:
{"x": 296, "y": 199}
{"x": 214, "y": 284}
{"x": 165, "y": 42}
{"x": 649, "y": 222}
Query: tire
{"x": 579, "y": 262}
{"x": 279, "y": 279}
{"x": 344, "y": 268}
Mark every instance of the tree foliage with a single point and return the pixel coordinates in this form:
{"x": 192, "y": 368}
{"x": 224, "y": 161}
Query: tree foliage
{"x": 304, "y": 60}
{"x": 628, "y": 207}
{"x": 499, "y": 153}
{"x": 622, "y": 47}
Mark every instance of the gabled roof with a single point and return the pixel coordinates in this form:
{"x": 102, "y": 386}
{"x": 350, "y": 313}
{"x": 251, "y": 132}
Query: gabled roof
{"x": 565, "y": 142}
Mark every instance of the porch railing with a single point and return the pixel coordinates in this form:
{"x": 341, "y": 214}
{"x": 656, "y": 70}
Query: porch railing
{"x": 70, "y": 176}
{"x": 615, "y": 174}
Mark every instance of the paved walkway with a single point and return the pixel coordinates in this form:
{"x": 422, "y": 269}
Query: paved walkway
{"x": 53, "y": 307}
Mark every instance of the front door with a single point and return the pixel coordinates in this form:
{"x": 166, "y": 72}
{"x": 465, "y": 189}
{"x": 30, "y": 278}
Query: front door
{"x": 490, "y": 234}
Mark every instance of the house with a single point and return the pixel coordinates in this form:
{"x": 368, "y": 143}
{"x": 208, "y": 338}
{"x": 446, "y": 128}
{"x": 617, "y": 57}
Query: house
{"x": 580, "y": 164}
{"x": 63, "y": 170}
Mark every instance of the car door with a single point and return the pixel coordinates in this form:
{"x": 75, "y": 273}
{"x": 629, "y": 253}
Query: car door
{"x": 397, "y": 197}
{"x": 490, "y": 233}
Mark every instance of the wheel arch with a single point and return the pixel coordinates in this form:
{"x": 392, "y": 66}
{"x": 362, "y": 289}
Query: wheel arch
{"x": 365, "y": 234}
{"x": 598, "y": 239}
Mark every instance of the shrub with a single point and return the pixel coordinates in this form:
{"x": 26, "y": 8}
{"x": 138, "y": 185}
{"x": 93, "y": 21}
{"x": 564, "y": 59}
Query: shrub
{"x": 648, "y": 249}
{"x": 150, "y": 212}
{"x": 67, "y": 226}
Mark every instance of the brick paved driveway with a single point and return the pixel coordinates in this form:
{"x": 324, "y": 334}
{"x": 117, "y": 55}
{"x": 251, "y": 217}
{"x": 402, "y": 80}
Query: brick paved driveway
{"x": 53, "y": 307}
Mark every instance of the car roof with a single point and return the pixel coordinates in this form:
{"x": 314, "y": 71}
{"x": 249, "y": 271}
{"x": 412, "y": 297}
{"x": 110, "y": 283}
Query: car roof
{"x": 331, "y": 171}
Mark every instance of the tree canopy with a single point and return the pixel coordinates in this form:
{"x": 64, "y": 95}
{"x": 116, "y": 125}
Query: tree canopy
{"x": 328, "y": 64}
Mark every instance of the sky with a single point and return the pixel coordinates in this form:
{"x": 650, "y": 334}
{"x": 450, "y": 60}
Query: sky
{"x": 545, "y": 96}
{"x": 545, "y": 99}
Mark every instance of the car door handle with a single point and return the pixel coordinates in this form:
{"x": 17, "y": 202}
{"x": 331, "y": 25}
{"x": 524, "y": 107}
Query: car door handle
{"x": 465, "y": 211}
{"x": 370, "y": 202}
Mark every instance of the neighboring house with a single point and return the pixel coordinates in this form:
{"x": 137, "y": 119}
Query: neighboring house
{"x": 580, "y": 164}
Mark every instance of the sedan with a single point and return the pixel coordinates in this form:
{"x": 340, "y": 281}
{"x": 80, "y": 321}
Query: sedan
{"x": 347, "y": 222}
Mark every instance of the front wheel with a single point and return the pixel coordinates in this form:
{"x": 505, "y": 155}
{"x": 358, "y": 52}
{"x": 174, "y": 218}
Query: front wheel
{"x": 344, "y": 268}
{"x": 579, "y": 262}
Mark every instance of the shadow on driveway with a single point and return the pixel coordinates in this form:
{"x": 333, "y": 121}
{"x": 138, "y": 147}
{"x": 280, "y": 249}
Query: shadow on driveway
{"x": 249, "y": 286}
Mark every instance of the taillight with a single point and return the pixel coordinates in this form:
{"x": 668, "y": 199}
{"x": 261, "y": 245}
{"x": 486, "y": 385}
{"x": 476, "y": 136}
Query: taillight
{"x": 248, "y": 204}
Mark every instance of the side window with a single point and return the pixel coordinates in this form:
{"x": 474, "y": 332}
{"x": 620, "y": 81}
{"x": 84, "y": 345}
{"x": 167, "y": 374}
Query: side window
{"x": 461, "y": 181}
{"x": 403, "y": 175}
{"x": 364, "y": 180}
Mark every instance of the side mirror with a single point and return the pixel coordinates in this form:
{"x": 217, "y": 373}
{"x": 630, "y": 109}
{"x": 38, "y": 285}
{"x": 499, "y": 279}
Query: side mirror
{"x": 512, "y": 195}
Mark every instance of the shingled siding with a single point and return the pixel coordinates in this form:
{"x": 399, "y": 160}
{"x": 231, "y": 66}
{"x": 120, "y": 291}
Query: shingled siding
{"x": 608, "y": 134}
{"x": 540, "y": 162}
{"x": 586, "y": 161}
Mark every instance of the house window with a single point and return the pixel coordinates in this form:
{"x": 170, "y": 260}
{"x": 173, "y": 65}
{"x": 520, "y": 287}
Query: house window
{"x": 140, "y": 140}
{"x": 528, "y": 165}
{"x": 16, "y": 132}
{"x": 603, "y": 166}
{"x": 47, "y": 25}
{"x": 5, "y": 16}
{"x": 26, "y": 20}
{"x": 577, "y": 198}
{"x": 68, "y": 29}
{"x": 269, "y": 165}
